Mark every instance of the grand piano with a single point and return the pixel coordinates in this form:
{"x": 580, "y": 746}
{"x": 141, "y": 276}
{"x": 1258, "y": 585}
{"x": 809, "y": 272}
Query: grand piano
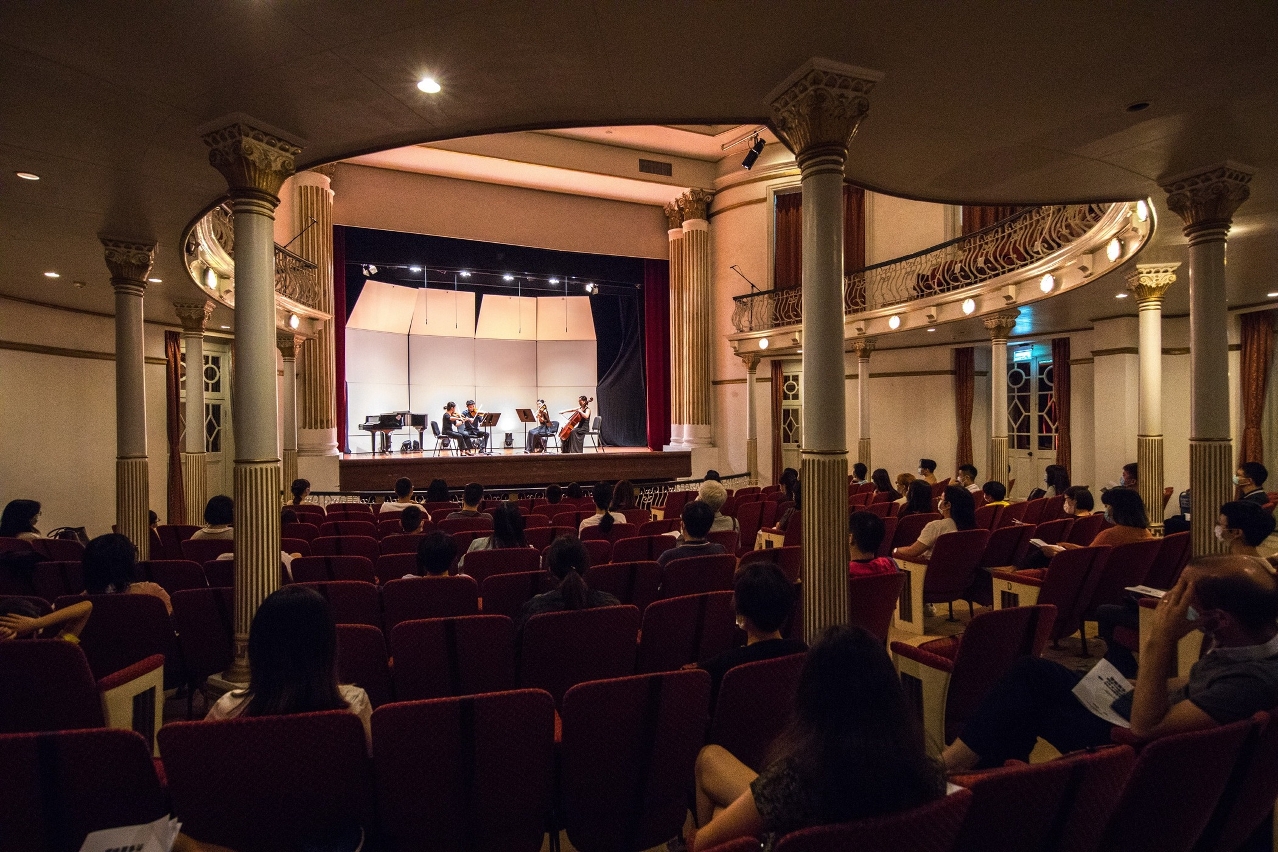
{"x": 383, "y": 425}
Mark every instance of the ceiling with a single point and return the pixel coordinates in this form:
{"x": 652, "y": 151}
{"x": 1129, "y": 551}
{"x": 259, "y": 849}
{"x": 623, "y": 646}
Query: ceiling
{"x": 996, "y": 102}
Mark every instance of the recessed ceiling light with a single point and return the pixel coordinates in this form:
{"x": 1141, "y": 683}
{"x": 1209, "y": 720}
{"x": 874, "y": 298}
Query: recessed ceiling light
{"x": 52, "y": 275}
{"x": 1048, "y": 282}
{"x": 969, "y": 305}
{"x": 27, "y": 175}
{"x": 932, "y": 329}
{"x": 1138, "y": 106}
{"x": 414, "y": 269}
{"x": 1114, "y": 250}
{"x": 293, "y": 321}
{"x": 763, "y": 343}
{"x": 428, "y": 85}
{"x": 155, "y": 280}
{"x": 1272, "y": 295}
{"x": 894, "y": 322}
{"x": 554, "y": 280}
{"x": 506, "y": 277}
{"x": 1142, "y": 210}
{"x": 226, "y": 326}
{"x": 1120, "y": 295}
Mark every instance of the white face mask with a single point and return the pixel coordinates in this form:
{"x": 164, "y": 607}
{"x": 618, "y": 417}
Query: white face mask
{"x": 1237, "y": 479}
{"x": 1220, "y": 532}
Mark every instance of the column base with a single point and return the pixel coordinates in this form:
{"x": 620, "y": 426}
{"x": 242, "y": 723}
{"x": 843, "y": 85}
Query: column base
{"x": 825, "y": 541}
{"x": 317, "y": 442}
{"x": 1149, "y": 461}
{"x": 290, "y": 467}
{"x": 752, "y": 460}
{"x": 133, "y": 503}
{"x": 1211, "y": 470}
{"x": 863, "y": 452}
{"x": 257, "y": 547}
{"x": 195, "y": 487}
{"x": 698, "y": 435}
{"x": 998, "y": 460}
{"x": 678, "y": 437}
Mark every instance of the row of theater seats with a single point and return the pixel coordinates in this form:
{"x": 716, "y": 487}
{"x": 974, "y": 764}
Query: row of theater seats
{"x": 496, "y": 771}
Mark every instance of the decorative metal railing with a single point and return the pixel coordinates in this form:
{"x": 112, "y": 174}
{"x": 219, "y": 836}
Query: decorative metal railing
{"x": 1002, "y": 248}
{"x": 296, "y": 278}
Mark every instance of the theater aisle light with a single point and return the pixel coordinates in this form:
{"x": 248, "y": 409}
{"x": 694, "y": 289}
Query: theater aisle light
{"x": 1047, "y": 283}
{"x": 464, "y": 274}
{"x": 429, "y": 85}
{"x": 210, "y": 279}
{"x": 553, "y": 280}
{"x": 1114, "y": 250}
{"x": 969, "y": 305}
{"x": 894, "y": 322}
{"x": 27, "y": 175}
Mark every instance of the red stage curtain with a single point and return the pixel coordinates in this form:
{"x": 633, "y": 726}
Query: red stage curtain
{"x": 854, "y": 239}
{"x": 656, "y": 355}
{"x": 787, "y": 270}
{"x": 173, "y": 421}
{"x": 339, "y": 333}
{"x": 1257, "y": 353}
{"x": 964, "y": 393}
{"x": 777, "y": 382}
{"x": 976, "y": 218}
{"x": 1060, "y": 398}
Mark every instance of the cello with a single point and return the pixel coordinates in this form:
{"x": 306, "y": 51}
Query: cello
{"x": 573, "y": 421}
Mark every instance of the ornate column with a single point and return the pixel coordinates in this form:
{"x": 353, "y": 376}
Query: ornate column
{"x": 863, "y": 348}
{"x": 194, "y": 317}
{"x": 815, "y": 112}
{"x": 316, "y": 378}
{"x": 289, "y": 344}
{"x": 130, "y": 264}
{"x": 1206, "y": 200}
{"x": 1149, "y": 282}
{"x": 695, "y": 346}
{"x": 255, "y": 164}
{"x": 678, "y": 380}
{"x": 751, "y": 360}
{"x": 1000, "y": 328}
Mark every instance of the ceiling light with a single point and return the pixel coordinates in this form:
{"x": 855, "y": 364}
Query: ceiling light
{"x": 372, "y": 270}
{"x": 52, "y": 275}
{"x": 428, "y": 85}
{"x": 1047, "y": 283}
{"x": 969, "y": 305}
{"x": 763, "y": 343}
{"x": 506, "y": 277}
{"x": 210, "y": 279}
{"x": 293, "y": 321}
{"x": 155, "y": 280}
{"x": 1272, "y": 295}
{"x": 414, "y": 269}
{"x": 553, "y": 280}
{"x": 590, "y": 287}
{"x": 1114, "y": 250}
{"x": 932, "y": 328}
{"x": 1142, "y": 210}
{"x": 1120, "y": 295}
{"x": 753, "y": 154}
{"x": 464, "y": 274}
{"x": 894, "y": 322}
{"x": 27, "y": 175}
{"x": 226, "y": 326}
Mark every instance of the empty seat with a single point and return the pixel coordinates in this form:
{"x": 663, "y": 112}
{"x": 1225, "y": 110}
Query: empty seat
{"x": 659, "y": 527}
{"x": 346, "y": 545}
{"x": 482, "y": 564}
{"x": 204, "y": 621}
{"x": 443, "y": 657}
{"x": 428, "y": 597}
{"x": 872, "y": 600}
{"x": 754, "y": 703}
{"x": 171, "y": 537}
{"x": 220, "y": 572}
{"x": 615, "y": 532}
{"x": 637, "y": 583}
{"x": 357, "y": 510}
{"x": 1172, "y": 556}
{"x": 295, "y": 546}
{"x": 299, "y": 530}
{"x": 600, "y": 550}
{"x": 63, "y": 550}
{"x": 174, "y": 575}
{"x": 362, "y": 660}
{"x": 729, "y": 539}
{"x": 697, "y": 574}
{"x": 393, "y": 566}
{"x": 686, "y": 629}
{"x": 1067, "y": 584}
{"x": 351, "y": 602}
{"x": 123, "y": 630}
{"x": 480, "y": 523}
{"x": 203, "y": 550}
{"x": 52, "y": 580}
{"x": 506, "y": 594}
{"x": 400, "y": 543}
{"x": 788, "y": 559}
{"x": 551, "y": 648}
{"x": 641, "y": 548}
{"x": 317, "y": 569}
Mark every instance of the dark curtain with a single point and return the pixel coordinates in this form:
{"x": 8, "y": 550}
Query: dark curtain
{"x": 964, "y": 393}
{"x": 777, "y": 382}
{"x": 619, "y": 345}
{"x": 656, "y": 307}
{"x": 1060, "y": 399}
{"x": 787, "y": 269}
{"x": 854, "y": 241}
{"x": 1257, "y": 352}
{"x": 340, "y": 315}
{"x": 173, "y": 421}
{"x": 976, "y": 218}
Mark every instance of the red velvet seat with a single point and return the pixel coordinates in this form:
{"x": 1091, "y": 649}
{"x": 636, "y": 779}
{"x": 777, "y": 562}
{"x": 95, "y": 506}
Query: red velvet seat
{"x": 1054, "y": 531}
{"x": 754, "y": 704}
{"x": 318, "y": 569}
{"x": 52, "y": 580}
{"x": 346, "y": 545}
{"x": 356, "y": 510}
{"x": 465, "y": 773}
{"x": 675, "y": 501}
{"x": 696, "y": 574}
{"x": 637, "y": 517}
{"x": 39, "y": 603}
{"x": 220, "y": 572}
{"x": 1127, "y": 565}
{"x": 171, "y": 537}
{"x": 550, "y": 653}
{"x": 659, "y": 527}
{"x": 482, "y": 564}
{"x": 629, "y": 745}
{"x": 616, "y": 531}
{"x": 788, "y": 559}
{"x": 300, "y": 530}
{"x": 444, "y": 657}
{"x": 400, "y": 543}
{"x": 987, "y": 517}
{"x": 889, "y": 534}
{"x": 750, "y": 521}
{"x": 951, "y": 569}
{"x": 1034, "y": 511}
{"x": 1249, "y": 796}
{"x": 295, "y": 546}
{"x": 730, "y": 539}
{"x": 1172, "y": 557}
{"x": 58, "y": 549}
{"x": 641, "y": 548}
{"x": 506, "y": 594}
{"x": 348, "y": 528}
{"x": 125, "y": 629}
{"x": 351, "y": 601}
{"x": 1086, "y": 529}
{"x": 270, "y": 782}
{"x": 1053, "y": 509}
{"x": 872, "y": 600}
{"x": 174, "y": 575}
{"x": 204, "y": 621}
{"x": 480, "y": 523}
{"x": 909, "y": 527}
{"x": 882, "y": 508}
{"x": 686, "y": 629}
{"x": 1012, "y": 514}
{"x": 362, "y": 660}
{"x": 1067, "y": 584}
{"x": 393, "y": 566}
{"x": 534, "y": 520}
{"x": 428, "y": 597}
{"x": 8, "y": 545}
{"x": 311, "y": 513}
{"x": 203, "y": 550}
{"x": 600, "y": 550}
{"x": 637, "y": 583}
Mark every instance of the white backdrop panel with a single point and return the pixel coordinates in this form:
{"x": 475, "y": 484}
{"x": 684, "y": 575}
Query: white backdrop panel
{"x": 376, "y": 356}
{"x": 505, "y": 399}
{"x": 560, "y": 318}
{"x": 566, "y": 362}
{"x": 507, "y": 318}
{"x": 442, "y": 368}
{"x": 383, "y": 307}
{"x": 506, "y": 362}
{"x": 443, "y": 313}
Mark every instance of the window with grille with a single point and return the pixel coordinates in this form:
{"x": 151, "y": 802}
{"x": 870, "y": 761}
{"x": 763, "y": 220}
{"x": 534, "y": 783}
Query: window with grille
{"x": 791, "y": 410}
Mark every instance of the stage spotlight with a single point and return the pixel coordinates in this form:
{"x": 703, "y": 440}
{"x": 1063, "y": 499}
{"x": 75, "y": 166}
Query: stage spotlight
{"x": 414, "y": 269}
{"x": 553, "y": 280}
{"x": 508, "y": 277}
{"x": 753, "y": 154}
{"x": 590, "y": 287}
{"x": 464, "y": 274}
{"x": 372, "y": 270}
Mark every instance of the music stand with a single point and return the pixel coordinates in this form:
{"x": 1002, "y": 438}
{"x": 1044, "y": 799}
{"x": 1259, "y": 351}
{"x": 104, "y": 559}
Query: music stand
{"x": 525, "y": 416}
{"x": 487, "y": 422}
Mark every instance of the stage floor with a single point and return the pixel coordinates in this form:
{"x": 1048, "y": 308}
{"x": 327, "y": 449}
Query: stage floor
{"x": 378, "y": 472}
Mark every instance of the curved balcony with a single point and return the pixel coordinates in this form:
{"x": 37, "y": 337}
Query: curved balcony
{"x": 1038, "y": 253}
{"x": 209, "y": 257}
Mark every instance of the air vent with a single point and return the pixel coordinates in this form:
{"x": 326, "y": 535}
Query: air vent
{"x": 656, "y": 167}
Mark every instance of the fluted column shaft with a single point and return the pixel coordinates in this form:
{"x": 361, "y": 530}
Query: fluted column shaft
{"x": 1149, "y": 282}
{"x": 863, "y": 348}
{"x": 694, "y": 346}
{"x": 1206, "y": 200}
{"x": 752, "y": 420}
{"x": 816, "y": 111}
{"x": 678, "y": 382}
{"x": 289, "y": 344}
{"x": 194, "y": 318}
{"x": 130, "y": 263}
{"x": 1000, "y": 328}
{"x": 316, "y": 374}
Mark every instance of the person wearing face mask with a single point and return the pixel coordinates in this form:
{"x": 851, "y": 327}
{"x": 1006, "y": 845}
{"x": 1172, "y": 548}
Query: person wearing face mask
{"x": 1232, "y": 599}
{"x": 958, "y": 512}
{"x": 1125, "y": 510}
{"x": 927, "y": 471}
{"x": 1248, "y": 479}
{"x": 1127, "y": 479}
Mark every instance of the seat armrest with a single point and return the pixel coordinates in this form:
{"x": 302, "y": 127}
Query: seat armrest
{"x": 130, "y": 673}
{"x": 133, "y": 698}
{"x": 1018, "y": 577}
{"x": 927, "y": 658}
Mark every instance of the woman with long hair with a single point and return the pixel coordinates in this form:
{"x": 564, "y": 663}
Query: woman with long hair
{"x": 18, "y": 519}
{"x": 300, "y": 489}
{"x": 882, "y": 484}
{"x": 958, "y": 512}
{"x": 110, "y": 565}
{"x": 437, "y": 491}
{"x": 623, "y": 496}
{"x": 903, "y": 482}
{"x": 853, "y": 750}
{"x": 508, "y": 532}
{"x": 568, "y": 560}
{"x": 1126, "y": 511}
{"x": 603, "y": 517}
{"x": 918, "y": 499}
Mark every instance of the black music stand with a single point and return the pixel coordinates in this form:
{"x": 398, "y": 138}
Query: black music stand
{"x": 525, "y": 416}
{"x": 487, "y": 422}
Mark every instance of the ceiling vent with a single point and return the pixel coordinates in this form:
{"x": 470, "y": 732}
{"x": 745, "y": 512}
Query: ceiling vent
{"x": 656, "y": 167}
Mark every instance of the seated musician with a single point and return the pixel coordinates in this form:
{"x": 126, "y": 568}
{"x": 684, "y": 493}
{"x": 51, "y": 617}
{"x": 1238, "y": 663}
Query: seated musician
{"x": 544, "y": 429}
{"x": 471, "y": 426}
{"x": 451, "y": 426}
{"x": 576, "y": 440}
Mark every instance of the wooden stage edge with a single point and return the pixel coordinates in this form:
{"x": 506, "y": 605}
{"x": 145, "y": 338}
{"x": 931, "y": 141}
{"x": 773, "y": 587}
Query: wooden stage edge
{"x": 369, "y": 472}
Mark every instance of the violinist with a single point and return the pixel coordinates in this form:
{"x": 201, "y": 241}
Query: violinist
{"x": 544, "y": 429}
{"x": 573, "y": 435}
{"x": 477, "y": 435}
{"x": 453, "y": 426}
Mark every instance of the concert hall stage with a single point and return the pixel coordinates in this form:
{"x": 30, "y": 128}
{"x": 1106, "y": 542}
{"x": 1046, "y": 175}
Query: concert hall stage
{"x": 378, "y": 472}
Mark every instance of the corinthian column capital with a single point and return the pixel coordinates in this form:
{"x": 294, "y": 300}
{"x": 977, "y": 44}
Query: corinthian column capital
{"x": 1149, "y": 281}
{"x": 194, "y": 316}
{"x": 1000, "y": 325}
{"x": 674, "y": 216}
{"x": 751, "y": 361}
{"x": 694, "y": 204}
{"x": 863, "y": 347}
{"x": 129, "y": 263}
{"x": 253, "y": 161}
{"x": 817, "y": 110}
{"x": 288, "y": 343}
{"x": 1205, "y": 199}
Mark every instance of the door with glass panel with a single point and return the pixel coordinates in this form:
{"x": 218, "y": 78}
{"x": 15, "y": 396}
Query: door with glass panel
{"x": 218, "y": 445}
{"x": 1031, "y": 417}
{"x": 791, "y": 414}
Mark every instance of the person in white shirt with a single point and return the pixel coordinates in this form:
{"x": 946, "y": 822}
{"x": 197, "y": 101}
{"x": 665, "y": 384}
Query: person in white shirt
{"x": 967, "y": 477}
{"x": 403, "y": 497}
{"x": 219, "y": 518}
{"x": 602, "y": 495}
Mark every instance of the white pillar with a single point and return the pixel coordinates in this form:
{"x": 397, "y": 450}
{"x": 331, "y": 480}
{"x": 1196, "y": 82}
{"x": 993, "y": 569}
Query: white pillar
{"x": 678, "y": 379}
{"x": 1205, "y": 200}
{"x": 863, "y": 348}
{"x": 815, "y": 112}
{"x": 1000, "y": 327}
{"x": 696, "y": 346}
{"x": 289, "y": 344}
{"x": 130, "y": 264}
{"x": 1149, "y": 282}
{"x": 255, "y": 164}
{"x": 194, "y": 317}
{"x": 751, "y": 360}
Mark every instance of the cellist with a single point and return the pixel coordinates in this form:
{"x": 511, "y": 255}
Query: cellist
{"x": 572, "y": 437}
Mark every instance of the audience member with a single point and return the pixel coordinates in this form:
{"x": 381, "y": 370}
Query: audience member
{"x": 859, "y": 472}
{"x": 292, "y": 651}
{"x": 714, "y": 495}
{"x": 1126, "y": 511}
{"x": 1128, "y": 479}
{"x": 435, "y": 554}
{"x": 18, "y": 520}
{"x": 796, "y": 494}
{"x": 1175, "y": 524}
{"x": 712, "y": 475}
{"x": 508, "y": 532}
{"x": 300, "y": 489}
{"x": 110, "y": 565}
{"x": 554, "y": 494}
{"x": 918, "y": 499}
{"x": 152, "y": 519}
{"x": 219, "y": 519}
{"x": 568, "y": 560}
{"x": 995, "y": 493}
{"x": 958, "y": 512}
{"x": 903, "y": 483}
{"x": 1232, "y": 599}
{"x": 865, "y": 536}
{"x": 1249, "y": 478}
{"x": 437, "y": 491}
{"x": 574, "y": 491}
{"x": 882, "y": 484}
{"x": 623, "y": 496}
{"x": 410, "y": 519}
{"x": 853, "y": 749}
{"x": 927, "y": 471}
{"x": 789, "y": 480}
{"x": 696, "y": 521}
{"x": 966, "y": 477}
{"x": 288, "y": 515}
{"x": 20, "y": 617}
{"x": 1056, "y": 480}
{"x": 1078, "y": 502}
{"x": 603, "y": 517}
{"x": 403, "y": 498}
{"x": 763, "y": 599}
{"x": 472, "y": 497}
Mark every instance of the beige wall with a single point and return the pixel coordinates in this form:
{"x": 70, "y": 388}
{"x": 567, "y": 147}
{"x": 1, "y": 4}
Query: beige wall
{"x": 896, "y": 227}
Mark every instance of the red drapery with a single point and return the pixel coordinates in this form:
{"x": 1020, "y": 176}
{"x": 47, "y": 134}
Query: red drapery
{"x": 1257, "y": 353}
{"x": 776, "y": 420}
{"x": 787, "y": 270}
{"x": 173, "y": 421}
{"x": 339, "y": 332}
{"x": 1060, "y": 399}
{"x": 656, "y": 352}
{"x": 976, "y": 218}
{"x": 964, "y": 393}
